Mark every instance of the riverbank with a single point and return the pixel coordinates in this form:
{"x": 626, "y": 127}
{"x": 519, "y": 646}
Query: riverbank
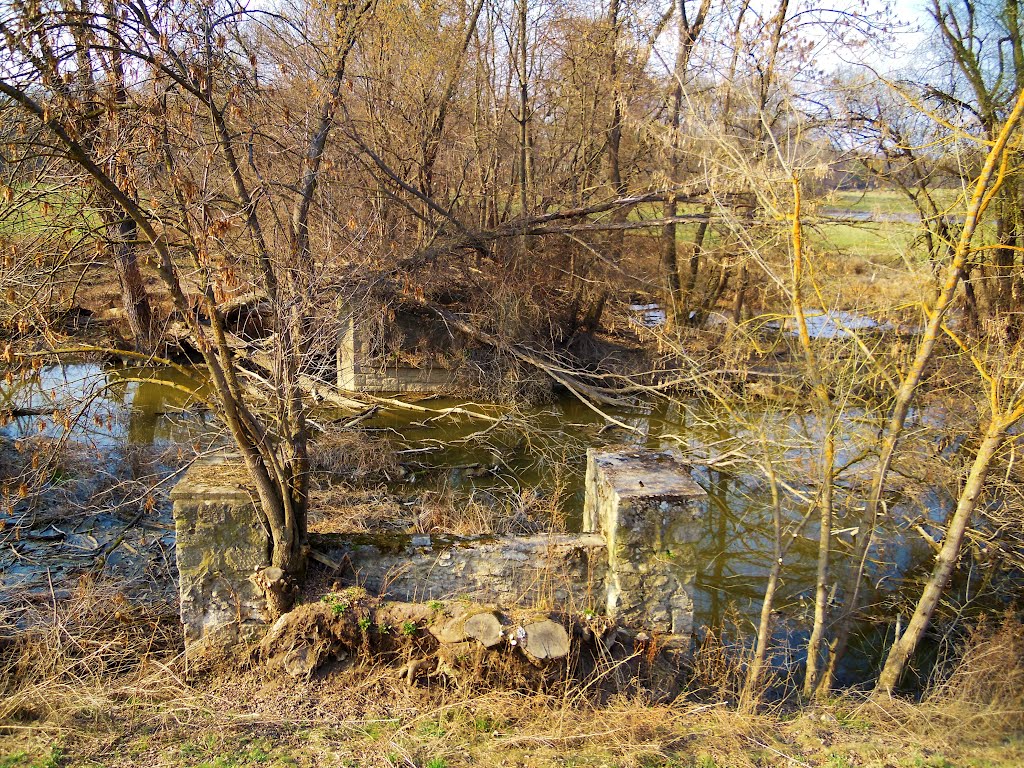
{"x": 457, "y": 735}
{"x": 98, "y": 681}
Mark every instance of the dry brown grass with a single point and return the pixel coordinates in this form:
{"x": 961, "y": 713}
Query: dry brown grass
{"x": 351, "y": 456}
{"x": 356, "y": 486}
{"x": 100, "y": 680}
{"x": 513, "y": 514}
{"x": 347, "y": 508}
{"x": 984, "y": 692}
{"x": 349, "y": 473}
{"x": 81, "y": 653}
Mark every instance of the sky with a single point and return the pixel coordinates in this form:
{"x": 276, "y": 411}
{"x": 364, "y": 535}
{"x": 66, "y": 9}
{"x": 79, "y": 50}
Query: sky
{"x": 905, "y": 47}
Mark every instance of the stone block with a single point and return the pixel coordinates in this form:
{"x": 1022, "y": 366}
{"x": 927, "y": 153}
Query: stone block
{"x": 648, "y": 508}
{"x": 636, "y": 561}
{"x": 220, "y": 544}
{"x": 357, "y": 373}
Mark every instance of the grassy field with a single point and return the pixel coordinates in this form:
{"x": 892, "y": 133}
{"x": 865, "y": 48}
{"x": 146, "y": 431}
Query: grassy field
{"x": 310, "y": 725}
{"x": 61, "y": 211}
{"x": 875, "y": 266}
{"x": 883, "y": 201}
{"x": 884, "y": 240}
{"x": 889, "y": 241}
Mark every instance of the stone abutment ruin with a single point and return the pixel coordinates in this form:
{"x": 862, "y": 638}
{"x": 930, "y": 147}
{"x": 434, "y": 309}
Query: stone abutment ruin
{"x": 635, "y": 561}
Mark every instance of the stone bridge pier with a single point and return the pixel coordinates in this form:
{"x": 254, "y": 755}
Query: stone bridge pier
{"x": 648, "y": 509}
{"x": 635, "y": 560}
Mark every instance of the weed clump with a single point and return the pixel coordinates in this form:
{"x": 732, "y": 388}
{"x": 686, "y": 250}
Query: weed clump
{"x": 985, "y": 684}
{"x": 344, "y": 455}
{"x": 94, "y": 647}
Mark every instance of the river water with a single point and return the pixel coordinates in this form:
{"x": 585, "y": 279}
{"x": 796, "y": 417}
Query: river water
{"x": 138, "y": 427}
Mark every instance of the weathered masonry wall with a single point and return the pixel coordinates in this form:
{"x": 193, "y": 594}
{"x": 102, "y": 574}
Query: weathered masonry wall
{"x": 357, "y": 373}
{"x": 220, "y": 547}
{"x": 635, "y": 561}
{"x": 544, "y": 571}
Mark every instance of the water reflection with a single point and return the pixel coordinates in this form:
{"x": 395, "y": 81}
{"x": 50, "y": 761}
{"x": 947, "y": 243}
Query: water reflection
{"x": 106, "y": 405}
{"x": 738, "y": 535}
{"x": 545, "y": 449}
{"x": 100, "y": 503}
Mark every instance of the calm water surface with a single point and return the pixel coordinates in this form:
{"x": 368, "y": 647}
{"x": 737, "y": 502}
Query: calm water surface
{"x": 538, "y": 449}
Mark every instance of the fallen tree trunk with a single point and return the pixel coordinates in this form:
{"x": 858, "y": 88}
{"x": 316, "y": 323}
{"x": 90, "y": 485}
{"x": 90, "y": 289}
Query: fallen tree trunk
{"x": 548, "y": 223}
{"x": 315, "y": 389}
{"x": 18, "y": 412}
{"x": 320, "y": 391}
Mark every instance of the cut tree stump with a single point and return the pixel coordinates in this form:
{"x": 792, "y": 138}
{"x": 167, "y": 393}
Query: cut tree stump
{"x": 485, "y": 628}
{"x": 545, "y": 640}
{"x": 353, "y": 625}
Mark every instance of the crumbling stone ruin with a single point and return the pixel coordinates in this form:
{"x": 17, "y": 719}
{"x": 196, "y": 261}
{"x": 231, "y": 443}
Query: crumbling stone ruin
{"x": 631, "y": 570}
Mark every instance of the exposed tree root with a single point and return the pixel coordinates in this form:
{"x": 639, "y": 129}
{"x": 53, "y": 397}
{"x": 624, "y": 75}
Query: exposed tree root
{"x": 456, "y": 643}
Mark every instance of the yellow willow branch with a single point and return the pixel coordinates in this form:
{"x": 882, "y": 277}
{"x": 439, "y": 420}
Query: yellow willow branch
{"x": 908, "y": 386}
{"x": 978, "y": 364}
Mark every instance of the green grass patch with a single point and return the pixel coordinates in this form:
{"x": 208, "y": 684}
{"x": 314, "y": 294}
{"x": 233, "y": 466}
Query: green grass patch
{"x": 884, "y": 201}
{"x": 871, "y": 241}
{"x": 432, "y": 729}
{"x": 23, "y": 760}
{"x": 34, "y": 212}
{"x": 212, "y": 752}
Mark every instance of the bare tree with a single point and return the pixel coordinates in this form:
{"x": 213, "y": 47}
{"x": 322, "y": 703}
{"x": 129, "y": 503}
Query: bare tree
{"x": 689, "y": 32}
{"x": 198, "y": 63}
{"x": 86, "y": 76}
{"x": 1006, "y": 400}
{"x": 984, "y": 192}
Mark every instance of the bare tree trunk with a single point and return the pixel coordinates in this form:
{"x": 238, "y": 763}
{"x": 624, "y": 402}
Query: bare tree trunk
{"x": 988, "y": 182}
{"x": 676, "y": 304}
{"x": 971, "y": 313}
{"x": 669, "y": 245}
{"x": 431, "y": 142}
{"x": 821, "y": 583}
{"x": 523, "y": 118}
{"x": 689, "y": 32}
{"x": 740, "y": 295}
{"x": 1001, "y": 294}
{"x": 693, "y": 267}
{"x": 697, "y": 314}
{"x": 134, "y": 296}
{"x": 826, "y": 418}
{"x": 754, "y": 670}
{"x": 905, "y": 645}
{"x": 133, "y": 290}
{"x": 290, "y": 544}
{"x": 614, "y": 136}
{"x": 780, "y": 547}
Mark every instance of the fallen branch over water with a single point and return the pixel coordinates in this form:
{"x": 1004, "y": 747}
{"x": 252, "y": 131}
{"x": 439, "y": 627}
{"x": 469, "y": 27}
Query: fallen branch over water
{"x": 319, "y": 391}
{"x": 19, "y": 412}
{"x": 569, "y": 379}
